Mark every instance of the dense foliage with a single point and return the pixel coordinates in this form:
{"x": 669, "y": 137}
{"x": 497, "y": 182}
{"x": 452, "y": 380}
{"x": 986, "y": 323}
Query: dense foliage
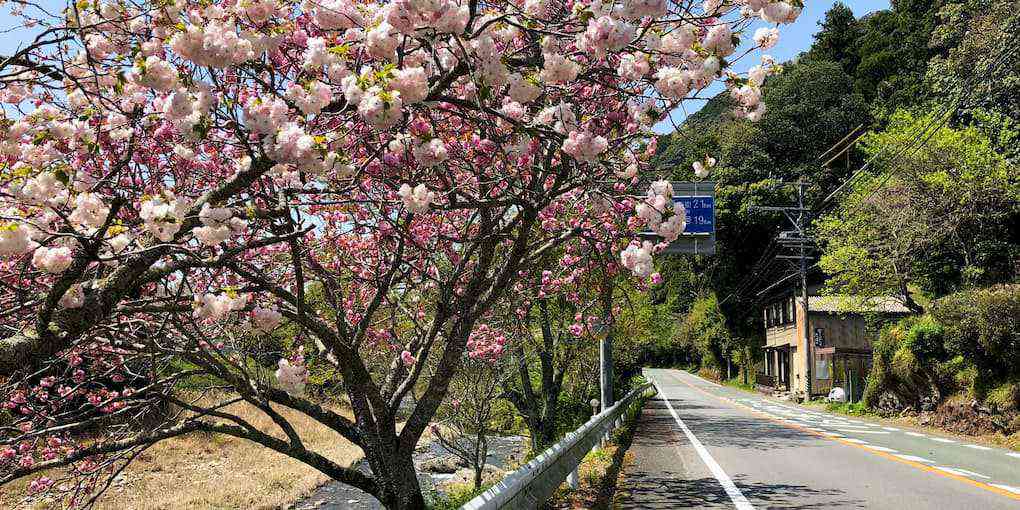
{"x": 935, "y": 211}
{"x": 940, "y": 217}
{"x": 969, "y": 342}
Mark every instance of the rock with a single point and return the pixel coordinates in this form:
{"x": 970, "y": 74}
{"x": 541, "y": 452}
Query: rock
{"x": 889, "y": 401}
{"x": 466, "y": 476}
{"x": 445, "y": 464}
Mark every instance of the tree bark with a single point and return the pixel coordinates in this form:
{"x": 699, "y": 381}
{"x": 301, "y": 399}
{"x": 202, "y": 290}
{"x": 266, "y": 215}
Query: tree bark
{"x": 393, "y": 469}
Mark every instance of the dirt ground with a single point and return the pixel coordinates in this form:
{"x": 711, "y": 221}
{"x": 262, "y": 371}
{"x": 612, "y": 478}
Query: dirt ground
{"x": 201, "y": 471}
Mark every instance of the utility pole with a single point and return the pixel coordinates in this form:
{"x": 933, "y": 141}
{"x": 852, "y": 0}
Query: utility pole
{"x": 801, "y": 217}
{"x": 798, "y": 239}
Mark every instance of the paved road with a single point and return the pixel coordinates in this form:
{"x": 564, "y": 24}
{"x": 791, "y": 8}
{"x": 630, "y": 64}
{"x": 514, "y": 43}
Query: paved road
{"x": 701, "y": 445}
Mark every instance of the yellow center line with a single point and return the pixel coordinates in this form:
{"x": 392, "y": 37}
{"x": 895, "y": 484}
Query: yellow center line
{"x": 889, "y": 456}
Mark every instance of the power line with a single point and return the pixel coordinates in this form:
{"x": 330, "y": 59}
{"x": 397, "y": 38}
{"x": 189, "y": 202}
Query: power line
{"x": 755, "y": 272}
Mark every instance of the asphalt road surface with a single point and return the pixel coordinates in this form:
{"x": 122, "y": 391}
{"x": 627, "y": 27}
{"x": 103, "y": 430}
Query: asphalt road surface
{"x": 701, "y": 445}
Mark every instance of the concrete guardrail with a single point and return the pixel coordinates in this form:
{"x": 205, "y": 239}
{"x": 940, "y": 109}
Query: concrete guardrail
{"x": 531, "y": 484}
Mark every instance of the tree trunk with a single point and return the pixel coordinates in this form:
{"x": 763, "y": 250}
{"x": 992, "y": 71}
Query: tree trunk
{"x": 543, "y": 432}
{"x": 397, "y": 478}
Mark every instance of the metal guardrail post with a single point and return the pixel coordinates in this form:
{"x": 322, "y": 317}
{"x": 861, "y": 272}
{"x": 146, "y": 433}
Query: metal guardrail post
{"x": 530, "y": 485}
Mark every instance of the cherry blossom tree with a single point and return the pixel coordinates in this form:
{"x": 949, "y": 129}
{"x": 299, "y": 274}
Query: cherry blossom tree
{"x": 179, "y": 178}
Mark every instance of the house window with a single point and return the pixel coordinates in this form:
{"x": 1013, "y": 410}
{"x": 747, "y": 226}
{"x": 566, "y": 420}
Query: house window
{"x": 821, "y": 368}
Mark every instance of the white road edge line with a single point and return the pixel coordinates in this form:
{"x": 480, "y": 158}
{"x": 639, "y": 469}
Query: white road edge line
{"x": 915, "y": 458}
{"x": 731, "y": 489}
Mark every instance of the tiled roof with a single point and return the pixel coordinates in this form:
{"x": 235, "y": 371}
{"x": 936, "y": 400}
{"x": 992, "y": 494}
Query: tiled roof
{"x": 846, "y": 303}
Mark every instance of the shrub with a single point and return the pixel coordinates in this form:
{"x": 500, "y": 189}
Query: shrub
{"x": 983, "y": 326}
{"x": 904, "y": 363}
{"x": 970, "y": 340}
{"x": 904, "y": 370}
{"x": 925, "y": 338}
{"x": 957, "y": 373}
{"x": 456, "y": 496}
{"x": 1004, "y": 397}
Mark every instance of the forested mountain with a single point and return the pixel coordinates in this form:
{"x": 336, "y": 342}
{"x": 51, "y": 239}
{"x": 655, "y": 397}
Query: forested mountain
{"x": 934, "y": 87}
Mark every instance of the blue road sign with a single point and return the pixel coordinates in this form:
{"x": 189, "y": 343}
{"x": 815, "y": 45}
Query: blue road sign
{"x": 700, "y": 214}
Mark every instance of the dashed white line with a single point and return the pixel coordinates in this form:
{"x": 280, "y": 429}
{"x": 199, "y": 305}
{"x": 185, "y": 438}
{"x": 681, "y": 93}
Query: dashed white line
{"x": 731, "y": 489}
{"x": 977, "y": 447}
{"x": 801, "y": 418}
{"x": 882, "y": 449}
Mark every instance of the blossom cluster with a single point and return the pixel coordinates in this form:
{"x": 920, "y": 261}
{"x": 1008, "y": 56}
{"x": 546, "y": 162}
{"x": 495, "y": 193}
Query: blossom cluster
{"x": 291, "y": 374}
{"x": 173, "y": 167}
{"x": 486, "y": 343}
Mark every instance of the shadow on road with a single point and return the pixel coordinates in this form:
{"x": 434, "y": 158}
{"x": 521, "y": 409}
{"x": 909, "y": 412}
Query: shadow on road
{"x": 657, "y": 481}
{"x": 732, "y": 431}
{"x": 654, "y": 492}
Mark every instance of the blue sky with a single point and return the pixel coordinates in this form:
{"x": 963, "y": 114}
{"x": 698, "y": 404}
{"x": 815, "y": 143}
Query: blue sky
{"x": 793, "y": 39}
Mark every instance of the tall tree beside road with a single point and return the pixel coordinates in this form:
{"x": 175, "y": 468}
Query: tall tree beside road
{"x": 970, "y": 36}
{"x": 809, "y": 107}
{"x": 939, "y": 217}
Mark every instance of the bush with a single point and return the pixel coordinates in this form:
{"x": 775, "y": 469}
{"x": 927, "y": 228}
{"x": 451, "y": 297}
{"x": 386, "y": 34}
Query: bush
{"x": 925, "y": 338}
{"x": 904, "y": 369}
{"x": 957, "y": 373}
{"x": 1004, "y": 397}
{"x": 969, "y": 341}
{"x": 983, "y": 326}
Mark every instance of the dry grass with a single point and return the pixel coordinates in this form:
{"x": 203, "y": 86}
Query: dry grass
{"x": 212, "y": 471}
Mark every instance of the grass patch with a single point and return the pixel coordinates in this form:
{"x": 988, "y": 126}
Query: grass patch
{"x": 849, "y": 408}
{"x": 456, "y": 496}
{"x": 738, "y": 382}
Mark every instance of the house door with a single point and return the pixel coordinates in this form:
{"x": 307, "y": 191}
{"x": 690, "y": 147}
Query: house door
{"x": 784, "y": 368}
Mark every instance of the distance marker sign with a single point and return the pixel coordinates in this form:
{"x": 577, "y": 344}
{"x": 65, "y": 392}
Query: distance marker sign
{"x": 700, "y": 214}
{"x": 698, "y": 237}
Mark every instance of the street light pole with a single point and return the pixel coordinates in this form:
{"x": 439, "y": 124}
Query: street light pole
{"x": 606, "y": 370}
{"x": 606, "y": 347}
